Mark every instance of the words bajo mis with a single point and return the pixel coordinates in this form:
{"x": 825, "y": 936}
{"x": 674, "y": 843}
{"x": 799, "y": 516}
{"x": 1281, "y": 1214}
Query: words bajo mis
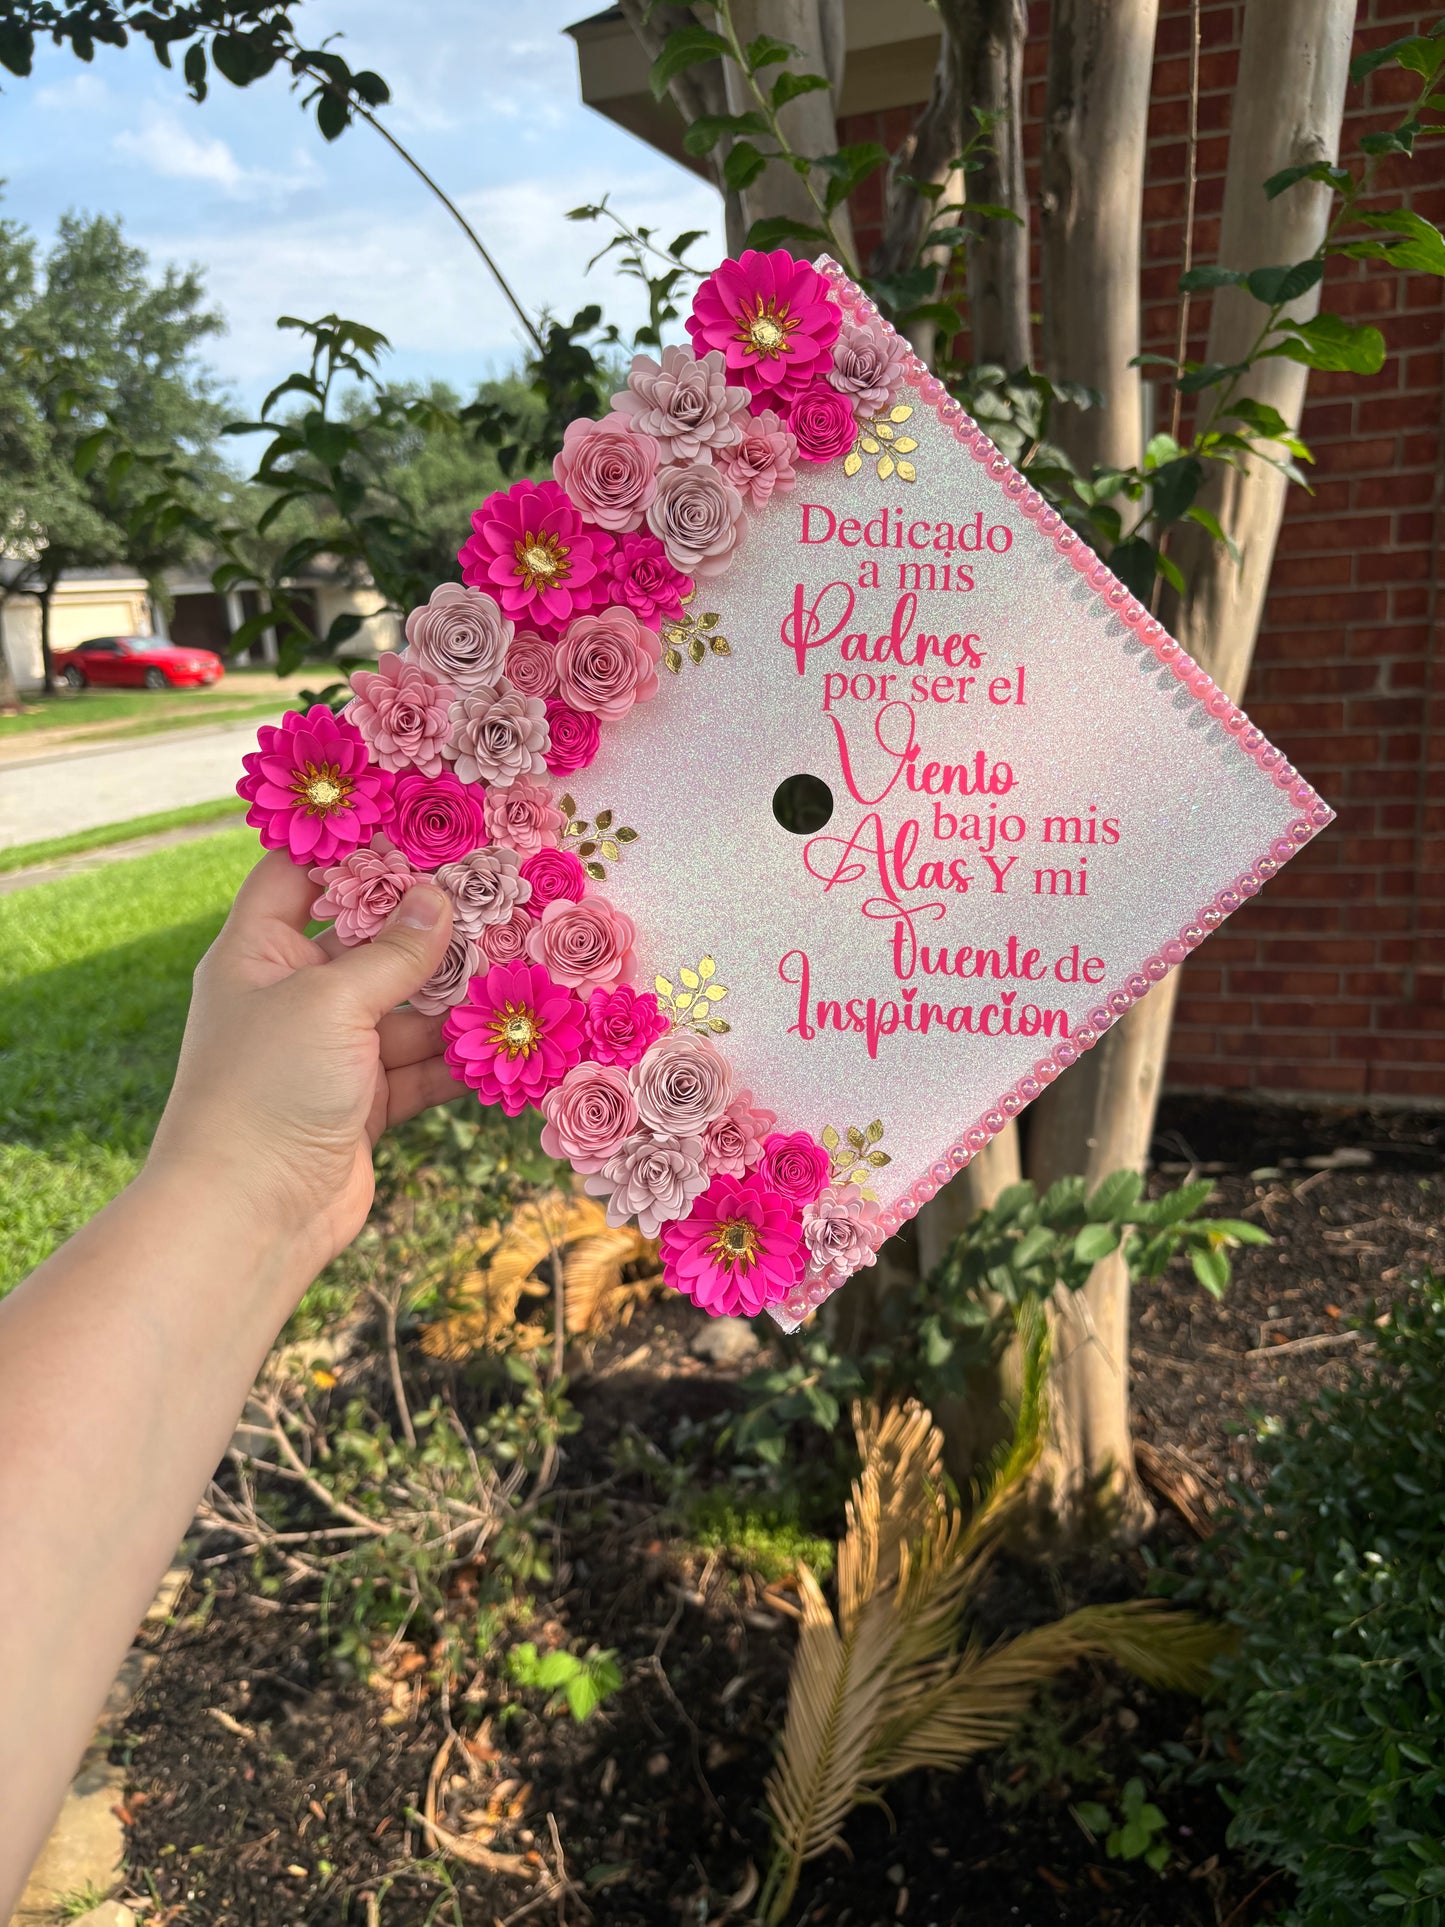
{"x": 820, "y": 524}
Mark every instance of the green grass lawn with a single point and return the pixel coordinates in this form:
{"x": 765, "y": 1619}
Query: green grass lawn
{"x": 26, "y": 856}
{"x": 94, "y": 981}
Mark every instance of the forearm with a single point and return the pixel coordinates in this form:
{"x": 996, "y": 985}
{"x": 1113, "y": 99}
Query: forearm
{"x": 124, "y": 1363}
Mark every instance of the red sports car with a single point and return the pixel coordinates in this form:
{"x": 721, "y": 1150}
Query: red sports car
{"x": 148, "y": 662}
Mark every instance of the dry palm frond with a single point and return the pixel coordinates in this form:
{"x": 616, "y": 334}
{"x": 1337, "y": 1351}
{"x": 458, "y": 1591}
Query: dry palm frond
{"x": 559, "y": 1227}
{"x": 892, "y": 1684}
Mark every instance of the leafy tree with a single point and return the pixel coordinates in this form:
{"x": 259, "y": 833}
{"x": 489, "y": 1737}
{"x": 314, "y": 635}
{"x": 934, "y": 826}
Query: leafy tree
{"x": 89, "y": 336}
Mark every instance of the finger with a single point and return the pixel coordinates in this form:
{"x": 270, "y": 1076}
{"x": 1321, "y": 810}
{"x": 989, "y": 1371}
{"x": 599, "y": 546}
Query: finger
{"x": 328, "y": 942}
{"x": 400, "y": 957}
{"x": 275, "y": 892}
{"x": 408, "y": 1038}
{"x": 416, "y": 1087}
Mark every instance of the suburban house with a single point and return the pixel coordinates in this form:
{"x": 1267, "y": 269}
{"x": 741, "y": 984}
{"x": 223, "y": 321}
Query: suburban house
{"x": 113, "y": 602}
{"x": 1330, "y": 985}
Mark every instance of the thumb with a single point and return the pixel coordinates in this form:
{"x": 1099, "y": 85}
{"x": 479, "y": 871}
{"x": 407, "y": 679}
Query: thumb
{"x": 401, "y": 956}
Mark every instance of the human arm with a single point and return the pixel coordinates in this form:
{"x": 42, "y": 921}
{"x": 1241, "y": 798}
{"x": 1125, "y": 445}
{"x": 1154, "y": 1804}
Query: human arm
{"x": 125, "y": 1359}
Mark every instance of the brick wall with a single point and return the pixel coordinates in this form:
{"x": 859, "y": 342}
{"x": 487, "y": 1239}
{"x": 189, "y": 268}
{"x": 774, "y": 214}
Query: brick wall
{"x": 1332, "y": 981}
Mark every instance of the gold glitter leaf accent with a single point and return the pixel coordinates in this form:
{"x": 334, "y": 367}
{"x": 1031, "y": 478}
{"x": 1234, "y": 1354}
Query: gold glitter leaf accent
{"x": 874, "y": 1131}
{"x": 709, "y": 621}
{"x": 905, "y": 445}
{"x": 624, "y": 835}
{"x": 885, "y": 468}
{"x": 830, "y": 1138}
{"x": 672, "y": 659}
{"x": 907, "y": 472}
{"x": 567, "y": 806}
{"x": 852, "y": 463}
{"x": 603, "y": 820}
{"x": 596, "y": 872}
{"x": 592, "y": 842}
{"x": 693, "y": 1007}
{"x": 878, "y": 437}
{"x": 720, "y": 646}
{"x": 697, "y": 649}
{"x": 692, "y": 637}
{"x": 868, "y": 445}
{"x": 610, "y": 850}
{"x": 852, "y": 1161}
{"x": 855, "y": 1137}
{"x": 883, "y": 431}
{"x": 586, "y": 849}
{"x": 901, "y": 413}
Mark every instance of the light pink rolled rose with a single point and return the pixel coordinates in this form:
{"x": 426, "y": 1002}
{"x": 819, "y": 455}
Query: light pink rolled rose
{"x": 460, "y": 635}
{"x": 586, "y": 945}
{"x": 484, "y": 888}
{"x": 761, "y": 462}
{"x": 868, "y": 365}
{"x": 447, "y": 985}
{"x": 607, "y": 662}
{"x": 609, "y": 470}
{"x": 502, "y": 943}
{"x": 532, "y": 665}
{"x": 588, "y": 1115}
{"x": 684, "y": 402}
{"x": 498, "y": 734}
{"x": 523, "y": 816}
{"x": 733, "y": 1143}
{"x": 651, "y": 1179}
{"x": 362, "y": 890}
{"x": 840, "y": 1233}
{"x": 698, "y": 518}
{"x": 681, "y": 1084}
{"x": 403, "y": 712}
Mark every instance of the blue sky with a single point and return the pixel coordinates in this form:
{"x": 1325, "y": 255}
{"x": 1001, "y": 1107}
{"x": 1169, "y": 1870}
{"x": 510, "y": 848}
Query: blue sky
{"x": 484, "y": 92}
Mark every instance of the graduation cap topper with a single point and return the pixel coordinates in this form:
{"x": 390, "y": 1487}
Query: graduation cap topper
{"x": 809, "y": 794}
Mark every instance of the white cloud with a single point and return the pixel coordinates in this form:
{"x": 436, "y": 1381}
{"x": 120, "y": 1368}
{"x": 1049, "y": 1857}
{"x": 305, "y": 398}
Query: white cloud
{"x": 82, "y": 92}
{"x": 167, "y": 148}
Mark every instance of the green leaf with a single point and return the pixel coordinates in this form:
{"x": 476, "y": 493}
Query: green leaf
{"x": 1115, "y": 1197}
{"x": 1207, "y": 373}
{"x": 332, "y": 114}
{"x": 685, "y": 47}
{"x": 343, "y": 628}
{"x": 1409, "y": 51}
{"x": 194, "y": 69}
{"x": 1094, "y": 1242}
{"x": 1174, "y": 486}
{"x": 1211, "y": 1268}
{"x": 88, "y": 451}
{"x": 788, "y": 86}
{"x": 849, "y": 168}
{"x": 776, "y": 229}
{"x": 743, "y": 166}
{"x": 1135, "y": 562}
{"x": 17, "y": 48}
{"x": 237, "y": 58}
{"x": 1339, "y": 178}
{"x": 1420, "y": 247}
{"x": 768, "y": 51}
{"x": 1275, "y": 285}
{"x": 1241, "y": 1230}
{"x": 708, "y": 129}
{"x": 1331, "y": 343}
{"x": 1207, "y": 519}
{"x": 1393, "y": 140}
{"x": 1214, "y": 276}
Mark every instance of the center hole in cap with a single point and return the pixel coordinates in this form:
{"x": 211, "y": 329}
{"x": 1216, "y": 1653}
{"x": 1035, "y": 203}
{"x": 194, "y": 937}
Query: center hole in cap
{"x": 802, "y": 804}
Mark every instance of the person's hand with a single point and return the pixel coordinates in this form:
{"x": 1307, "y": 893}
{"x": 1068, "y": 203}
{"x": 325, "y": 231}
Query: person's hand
{"x": 295, "y": 1060}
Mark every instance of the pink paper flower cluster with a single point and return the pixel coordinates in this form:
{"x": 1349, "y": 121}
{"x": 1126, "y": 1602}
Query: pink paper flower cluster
{"x": 444, "y": 765}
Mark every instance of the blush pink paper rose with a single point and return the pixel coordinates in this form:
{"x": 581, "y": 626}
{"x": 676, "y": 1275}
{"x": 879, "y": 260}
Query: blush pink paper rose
{"x": 498, "y": 734}
{"x": 529, "y": 548}
{"x": 588, "y": 1115}
{"x": 523, "y": 816}
{"x": 447, "y": 985}
{"x": 840, "y": 1233}
{"x": 640, "y": 575}
{"x": 312, "y": 789}
{"x": 435, "y": 819}
{"x": 514, "y": 1036}
{"x": 361, "y": 891}
{"x": 697, "y": 516}
{"x": 586, "y": 945}
{"x": 609, "y": 470}
{"x": 773, "y": 318}
{"x": 504, "y": 943}
{"x": 621, "y": 1024}
{"x": 681, "y": 1085}
{"x": 606, "y": 663}
{"x": 760, "y": 464}
{"x": 651, "y": 1179}
{"x": 532, "y": 664}
{"x": 734, "y": 1141}
{"x": 554, "y": 876}
{"x": 823, "y": 423}
{"x": 484, "y": 888}
{"x": 868, "y": 364}
{"x": 685, "y": 403}
{"x": 575, "y": 737}
{"x": 796, "y": 1166}
{"x": 739, "y": 1250}
{"x": 460, "y": 635}
{"x": 403, "y": 712}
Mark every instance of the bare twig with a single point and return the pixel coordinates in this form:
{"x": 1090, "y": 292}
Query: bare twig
{"x": 389, "y": 1304}
{"x": 1317, "y": 1343}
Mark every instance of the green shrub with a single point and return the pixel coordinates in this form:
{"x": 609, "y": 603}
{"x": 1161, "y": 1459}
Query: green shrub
{"x": 1335, "y": 1577}
{"x": 763, "y": 1535}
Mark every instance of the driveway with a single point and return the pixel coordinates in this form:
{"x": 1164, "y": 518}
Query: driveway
{"x": 54, "y": 793}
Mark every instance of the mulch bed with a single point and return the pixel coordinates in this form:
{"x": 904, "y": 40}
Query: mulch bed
{"x": 267, "y": 1791}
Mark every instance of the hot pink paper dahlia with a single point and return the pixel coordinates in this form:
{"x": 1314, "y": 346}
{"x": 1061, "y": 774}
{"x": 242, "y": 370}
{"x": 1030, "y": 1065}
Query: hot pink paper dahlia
{"x": 529, "y": 548}
{"x": 640, "y": 575}
{"x": 403, "y": 712}
{"x": 361, "y": 891}
{"x": 312, "y": 789}
{"x": 774, "y": 319}
{"x": 515, "y": 1036}
{"x": 621, "y": 1024}
{"x": 739, "y": 1250}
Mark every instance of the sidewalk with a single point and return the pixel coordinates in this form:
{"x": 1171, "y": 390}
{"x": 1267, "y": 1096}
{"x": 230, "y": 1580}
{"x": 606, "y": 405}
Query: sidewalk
{"x": 59, "y": 791}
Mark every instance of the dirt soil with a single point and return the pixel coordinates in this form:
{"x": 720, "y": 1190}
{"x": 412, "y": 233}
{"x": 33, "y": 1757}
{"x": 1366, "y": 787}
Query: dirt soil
{"x": 266, "y": 1791}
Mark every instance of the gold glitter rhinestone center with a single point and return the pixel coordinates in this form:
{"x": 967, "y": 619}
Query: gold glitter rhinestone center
{"x": 735, "y": 1243}
{"x": 514, "y": 1030}
{"x": 541, "y": 560}
{"x": 766, "y": 331}
{"x": 322, "y": 790}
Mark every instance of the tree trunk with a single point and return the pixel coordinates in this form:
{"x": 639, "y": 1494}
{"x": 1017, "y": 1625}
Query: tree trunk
{"x": 815, "y": 28}
{"x": 1101, "y": 61}
{"x": 990, "y": 36}
{"x": 1293, "y": 69}
{"x": 9, "y": 692}
{"x": 47, "y": 661}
